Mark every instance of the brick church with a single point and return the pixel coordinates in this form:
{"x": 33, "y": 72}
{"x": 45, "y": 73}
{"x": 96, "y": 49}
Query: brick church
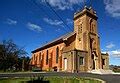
{"x": 78, "y": 51}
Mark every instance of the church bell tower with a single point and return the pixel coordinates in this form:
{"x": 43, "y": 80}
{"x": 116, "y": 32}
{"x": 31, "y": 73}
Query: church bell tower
{"x": 87, "y": 39}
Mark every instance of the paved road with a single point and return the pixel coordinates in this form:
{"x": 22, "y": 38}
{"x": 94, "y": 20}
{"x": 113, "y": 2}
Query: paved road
{"x": 109, "y": 78}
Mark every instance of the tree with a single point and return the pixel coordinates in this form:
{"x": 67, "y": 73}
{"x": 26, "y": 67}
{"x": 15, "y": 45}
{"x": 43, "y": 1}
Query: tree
{"x": 10, "y": 54}
{"x": 23, "y": 63}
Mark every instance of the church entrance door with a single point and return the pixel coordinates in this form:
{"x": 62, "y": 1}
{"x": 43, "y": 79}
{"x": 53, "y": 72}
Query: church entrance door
{"x": 93, "y": 62}
{"x": 65, "y": 64}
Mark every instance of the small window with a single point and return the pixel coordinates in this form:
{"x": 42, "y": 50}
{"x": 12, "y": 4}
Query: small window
{"x": 47, "y": 57}
{"x": 81, "y": 28}
{"x": 80, "y": 39}
{"x": 81, "y": 60}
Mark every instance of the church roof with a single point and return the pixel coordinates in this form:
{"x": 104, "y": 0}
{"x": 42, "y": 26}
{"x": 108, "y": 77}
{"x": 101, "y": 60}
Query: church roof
{"x": 105, "y": 54}
{"x": 56, "y": 41}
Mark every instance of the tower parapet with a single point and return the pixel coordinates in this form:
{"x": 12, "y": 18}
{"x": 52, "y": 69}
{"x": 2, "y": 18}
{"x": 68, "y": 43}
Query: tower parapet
{"x": 86, "y": 10}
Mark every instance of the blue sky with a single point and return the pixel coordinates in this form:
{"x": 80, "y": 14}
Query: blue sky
{"x": 31, "y": 23}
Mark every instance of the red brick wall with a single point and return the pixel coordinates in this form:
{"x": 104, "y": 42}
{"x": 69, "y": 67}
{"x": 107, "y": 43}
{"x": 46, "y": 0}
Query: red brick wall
{"x": 51, "y": 56}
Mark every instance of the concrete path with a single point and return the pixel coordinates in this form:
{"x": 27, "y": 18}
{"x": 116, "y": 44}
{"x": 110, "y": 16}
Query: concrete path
{"x": 109, "y": 78}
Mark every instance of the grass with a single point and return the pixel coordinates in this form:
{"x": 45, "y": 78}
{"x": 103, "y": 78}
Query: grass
{"x": 14, "y": 80}
{"x": 71, "y": 80}
{"x": 116, "y": 71}
{"x": 49, "y": 80}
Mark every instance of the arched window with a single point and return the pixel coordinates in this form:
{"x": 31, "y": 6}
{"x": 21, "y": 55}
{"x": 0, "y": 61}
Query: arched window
{"x": 91, "y": 25}
{"x": 34, "y": 57}
{"x": 47, "y": 57}
{"x": 40, "y": 56}
{"x": 57, "y": 54}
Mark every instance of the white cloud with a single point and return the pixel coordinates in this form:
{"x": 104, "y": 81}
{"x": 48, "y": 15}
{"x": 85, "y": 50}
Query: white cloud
{"x": 114, "y": 53}
{"x": 58, "y": 29}
{"x": 53, "y": 22}
{"x": 69, "y": 21}
{"x": 63, "y": 4}
{"x": 57, "y": 22}
{"x": 11, "y": 22}
{"x": 34, "y": 27}
{"x": 112, "y": 7}
{"x": 109, "y": 46}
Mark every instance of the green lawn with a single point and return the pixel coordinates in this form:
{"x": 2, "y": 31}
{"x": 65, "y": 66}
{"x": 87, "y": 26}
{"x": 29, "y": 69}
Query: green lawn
{"x": 71, "y": 80}
{"x": 116, "y": 71}
{"x": 14, "y": 80}
{"x": 49, "y": 80}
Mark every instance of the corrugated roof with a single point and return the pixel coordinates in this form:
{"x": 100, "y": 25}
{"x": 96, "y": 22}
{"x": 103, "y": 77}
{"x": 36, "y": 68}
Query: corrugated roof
{"x": 62, "y": 37}
{"x": 56, "y": 41}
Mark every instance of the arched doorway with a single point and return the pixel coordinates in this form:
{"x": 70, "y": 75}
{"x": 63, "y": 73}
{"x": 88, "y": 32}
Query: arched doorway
{"x": 94, "y": 59}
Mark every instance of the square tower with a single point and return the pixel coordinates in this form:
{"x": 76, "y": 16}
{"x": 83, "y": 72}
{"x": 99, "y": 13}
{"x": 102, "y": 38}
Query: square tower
{"x": 87, "y": 39}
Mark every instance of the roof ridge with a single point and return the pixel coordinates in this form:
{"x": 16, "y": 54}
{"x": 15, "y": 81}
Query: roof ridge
{"x": 55, "y": 40}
